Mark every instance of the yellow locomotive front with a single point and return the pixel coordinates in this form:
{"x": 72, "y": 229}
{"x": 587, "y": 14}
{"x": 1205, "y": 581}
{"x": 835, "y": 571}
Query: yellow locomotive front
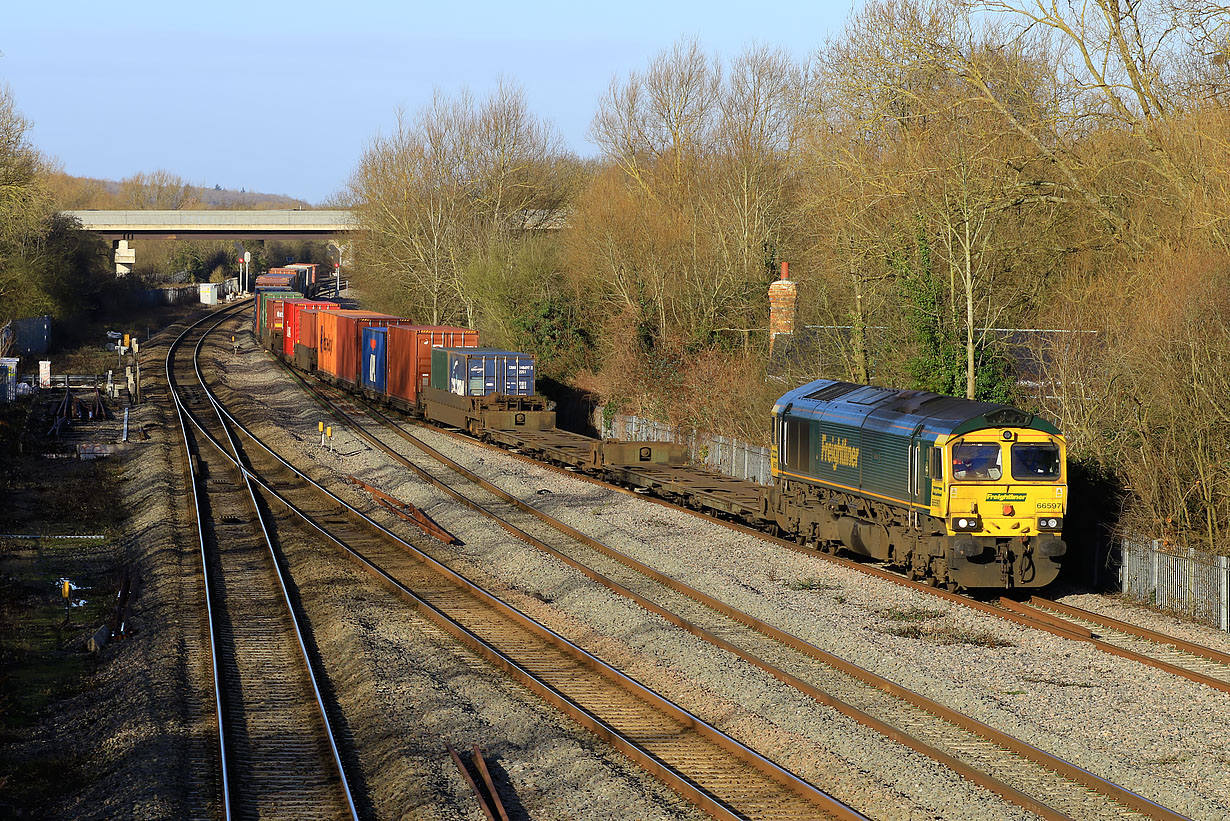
{"x": 1002, "y": 494}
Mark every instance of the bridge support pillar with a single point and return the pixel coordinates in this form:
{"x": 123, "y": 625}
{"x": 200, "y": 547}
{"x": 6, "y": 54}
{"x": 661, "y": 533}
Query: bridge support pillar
{"x": 125, "y": 257}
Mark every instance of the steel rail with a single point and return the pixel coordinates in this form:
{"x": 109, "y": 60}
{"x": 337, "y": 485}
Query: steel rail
{"x": 187, "y": 416}
{"x": 1027, "y": 751}
{"x": 1032, "y": 618}
{"x": 683, "y": 783}
{"x": 481, "y": 763}
{"x": 490, "y": 801}
{"x": 214, "y": 650}
{"x": 237, "y": 458}
{"x": 1040, "y": 608}
{"x": 1132, "y": 629}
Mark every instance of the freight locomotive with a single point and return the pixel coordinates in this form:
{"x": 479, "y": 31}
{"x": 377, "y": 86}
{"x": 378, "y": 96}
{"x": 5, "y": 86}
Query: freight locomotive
{"x": 969, "y": 495}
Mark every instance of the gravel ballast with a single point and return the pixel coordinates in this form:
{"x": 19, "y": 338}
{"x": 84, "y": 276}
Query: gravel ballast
{"x": 143, "y": 730}
{"x": 824, "y": 747}
{"x": 1159, "y": 735}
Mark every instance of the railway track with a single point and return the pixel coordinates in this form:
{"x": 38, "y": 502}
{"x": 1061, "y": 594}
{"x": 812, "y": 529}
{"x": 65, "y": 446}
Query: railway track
{"x": 1200, "y": 664}
{"x": 1019, "y": 772}
{"x": 1194, "y": 662}
{"x": 277, "y": 753}
{"x": 718, "y": 773}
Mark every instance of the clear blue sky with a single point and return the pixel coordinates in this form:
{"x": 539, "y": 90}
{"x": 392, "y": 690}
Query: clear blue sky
{"x": 282, "y": 97}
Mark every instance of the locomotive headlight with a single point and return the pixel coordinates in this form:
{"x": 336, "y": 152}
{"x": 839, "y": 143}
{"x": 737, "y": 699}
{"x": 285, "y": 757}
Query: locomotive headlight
{"x": 1050, "y": 523}
{"x": 966, "y": 523}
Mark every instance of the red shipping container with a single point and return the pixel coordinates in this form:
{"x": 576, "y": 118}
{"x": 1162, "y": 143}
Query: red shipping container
{"x": 338, "y": 335}
{"x": 274, "y": 314}
{"x": 409, "y": 355}
{"x": 292, "y": 310}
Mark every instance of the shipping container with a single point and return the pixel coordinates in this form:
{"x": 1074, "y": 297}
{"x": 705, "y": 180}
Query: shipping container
{"x": 482, "y": 371}
{"x": 293, "y": 277}
{"x": 286, "y": 280}
{"x": 409, "y": 355}
{"x": 305, "y": 338}
{"x": 302, "y": 275}
{"x": 305, "y": 334}
{"x": 308, "y": 274}
{"x": 260, "y": 312}
{"x": 292, "y": 311}
{"x": 275, "y": 313}
{"x": 338, "y": 336}
{"x": 374, "y": 358}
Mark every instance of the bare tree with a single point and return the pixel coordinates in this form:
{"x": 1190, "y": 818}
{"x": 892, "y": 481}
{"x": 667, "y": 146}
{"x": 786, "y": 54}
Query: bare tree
{"x": 157, "y": 191}
{"x": 444, "y": 186}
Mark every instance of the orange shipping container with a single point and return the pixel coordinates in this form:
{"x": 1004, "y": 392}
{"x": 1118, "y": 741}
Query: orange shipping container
{"x": 338, "y": 335}
{"x": 409, "y": 355}
{"x": 292, "y": 311}
{"x": 306, "y": 333}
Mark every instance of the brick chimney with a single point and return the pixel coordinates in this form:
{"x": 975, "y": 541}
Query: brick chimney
{"x": 783, "y": 294}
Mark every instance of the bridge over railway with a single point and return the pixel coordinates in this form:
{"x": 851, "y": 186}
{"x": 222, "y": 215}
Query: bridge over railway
{"x": 122, "y": 227}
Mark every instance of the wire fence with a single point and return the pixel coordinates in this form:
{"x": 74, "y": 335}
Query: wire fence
{"x": 721, "y": 453}
{"x": 1185, "y": 581}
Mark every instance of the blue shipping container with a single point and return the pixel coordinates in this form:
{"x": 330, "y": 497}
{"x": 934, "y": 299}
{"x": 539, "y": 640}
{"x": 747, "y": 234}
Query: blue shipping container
{"x": 373, "y": 369}
{"x": 484, "y": 371}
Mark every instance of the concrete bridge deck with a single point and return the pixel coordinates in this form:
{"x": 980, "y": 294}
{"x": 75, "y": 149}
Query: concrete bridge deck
{"x": 129, "y": 225}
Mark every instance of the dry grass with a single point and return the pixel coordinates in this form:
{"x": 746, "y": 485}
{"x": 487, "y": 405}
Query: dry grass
{"x": 911, "y": 613}
{"x": 946, "y": 634}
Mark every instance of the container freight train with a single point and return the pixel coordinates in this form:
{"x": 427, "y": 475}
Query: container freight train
{"x": 969, "y": 495}
{"x": 302, "y": 277}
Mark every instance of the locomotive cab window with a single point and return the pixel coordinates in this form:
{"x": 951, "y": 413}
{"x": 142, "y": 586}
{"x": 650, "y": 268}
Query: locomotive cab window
{"x": 1036, "y": 461}
{"x": 977, "y": 462}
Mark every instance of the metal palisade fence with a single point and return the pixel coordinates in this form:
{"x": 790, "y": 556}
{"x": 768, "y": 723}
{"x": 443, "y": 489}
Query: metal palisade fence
{"x": 721, "y": 453}
{"x": 1183, "y": 580}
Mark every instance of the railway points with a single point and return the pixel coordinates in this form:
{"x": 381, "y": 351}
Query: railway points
{"x": 725, "y": 777}
{"x": 1026, "y": 789}
{"x": 999, "y": 762}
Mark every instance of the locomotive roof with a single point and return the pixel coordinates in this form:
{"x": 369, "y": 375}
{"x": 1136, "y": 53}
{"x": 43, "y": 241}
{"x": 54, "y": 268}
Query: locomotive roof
{"x": 901, "y": 412}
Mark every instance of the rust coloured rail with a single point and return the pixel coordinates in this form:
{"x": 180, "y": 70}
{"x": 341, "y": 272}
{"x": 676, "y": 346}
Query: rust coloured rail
{"x": 1078, "y": 633}
{"x": 1132, "y": 629}
{"x": 485, "y": 792}
{"x": 815, "y": 802}
{"x": 1020, "y": 748}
